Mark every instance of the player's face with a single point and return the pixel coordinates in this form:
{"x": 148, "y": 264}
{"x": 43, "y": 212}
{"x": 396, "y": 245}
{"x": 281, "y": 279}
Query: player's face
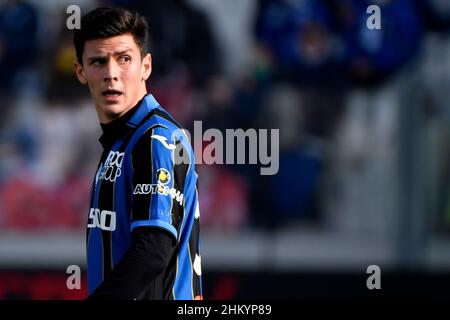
{"x": 115, "y": 73}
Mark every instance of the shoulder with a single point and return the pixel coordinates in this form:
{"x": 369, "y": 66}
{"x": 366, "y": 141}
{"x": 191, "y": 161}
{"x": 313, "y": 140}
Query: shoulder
{"x": 160, "y": 134}
{"x": 162, "y": 123}
{"x": 157, "y": 134}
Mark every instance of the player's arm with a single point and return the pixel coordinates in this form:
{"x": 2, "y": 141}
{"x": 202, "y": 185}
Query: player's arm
{"x": 145, "y": 260}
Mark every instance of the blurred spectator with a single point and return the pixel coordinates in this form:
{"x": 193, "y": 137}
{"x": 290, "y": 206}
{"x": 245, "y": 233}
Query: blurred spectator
{"x": 363, "y": 192}
{"x": 436, "y": 14}
{"x": 232, "y": 23}
{"x": 249, "y": 94}
{"x": 18, "y": 26}
{"x": 63, "y": 85}
{"x": 373, "y": 55}
{"x": 223, "y": 200}
{"x": 25, "y": 205}
{"x": 220, "y": 111}
{"x": 18, "y": 143}
{"x": 292, "y": 193}
{"x": 38, "y": 187}
{"x": 177, "y": 94}
{"x": 48, "y": 188}
{"x": 180, "y": 36}
{"x": 298, "y": 34}
{"x": 11, "y": 159}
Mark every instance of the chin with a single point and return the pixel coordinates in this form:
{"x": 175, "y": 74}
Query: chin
{"x": 114, "y": 110}
{"x": 111, "y": 109}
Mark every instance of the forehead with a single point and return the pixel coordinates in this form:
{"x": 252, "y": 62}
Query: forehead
{"x": 110, "y": 45}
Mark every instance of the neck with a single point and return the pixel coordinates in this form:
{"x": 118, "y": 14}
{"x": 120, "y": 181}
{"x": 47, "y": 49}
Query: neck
{"x": 105, "y": 119}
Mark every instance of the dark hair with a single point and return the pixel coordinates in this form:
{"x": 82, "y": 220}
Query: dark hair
{"x": 105, "y": 22}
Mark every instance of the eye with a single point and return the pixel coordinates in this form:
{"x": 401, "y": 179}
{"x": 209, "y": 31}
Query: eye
{"x": 98, "y": 62}
{"x": 124, "y": 59}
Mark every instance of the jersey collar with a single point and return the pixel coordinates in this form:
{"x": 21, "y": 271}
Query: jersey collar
{"x": 121, "y": 127}
{"x": 147, "y": 105}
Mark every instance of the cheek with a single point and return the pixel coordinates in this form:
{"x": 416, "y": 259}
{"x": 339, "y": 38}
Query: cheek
{"x": 93, "y": 80}
{"x": 132, "y": 75}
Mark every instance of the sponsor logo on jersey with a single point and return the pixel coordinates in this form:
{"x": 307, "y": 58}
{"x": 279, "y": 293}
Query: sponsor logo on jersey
{"x": 157, "y": 188}
{"x": 163, "y": 140}
{"x": 162, "y": 176}
{"x": 111, "y": 169}
{"x": 103, "y": 219}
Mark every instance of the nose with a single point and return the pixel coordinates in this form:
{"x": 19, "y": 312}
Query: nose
{"x": 111, "y": 71}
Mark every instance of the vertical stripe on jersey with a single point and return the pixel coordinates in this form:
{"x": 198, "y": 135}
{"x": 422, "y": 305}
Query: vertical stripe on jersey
{"x": 105, "y": 202}
{"x": 109, "y": 201}
{"x": 194, "y": 244}
{"x": 95, "y": 239}
{"x": 183, "y": 288}
{"x": 160, "y": 208}
{"x": 121, "y": 238}
{"x": 141, "y": 157}
{"x": 102, "y": 199}
{"x": 180, "y": 172}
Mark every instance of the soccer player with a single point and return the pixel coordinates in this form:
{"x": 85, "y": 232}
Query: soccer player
{"x": 143, "y": 226}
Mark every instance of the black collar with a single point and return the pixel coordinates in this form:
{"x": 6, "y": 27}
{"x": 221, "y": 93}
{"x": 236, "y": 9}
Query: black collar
{"x": 117, "y": 128}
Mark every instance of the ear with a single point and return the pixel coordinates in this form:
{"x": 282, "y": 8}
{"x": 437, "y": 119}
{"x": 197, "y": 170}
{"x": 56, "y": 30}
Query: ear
{"x": 80, "y": 72}
{"x": 146, "y": 66}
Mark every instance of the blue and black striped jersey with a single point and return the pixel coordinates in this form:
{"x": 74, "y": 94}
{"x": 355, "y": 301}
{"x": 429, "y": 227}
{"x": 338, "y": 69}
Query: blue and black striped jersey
{"x": 141, "y": 181}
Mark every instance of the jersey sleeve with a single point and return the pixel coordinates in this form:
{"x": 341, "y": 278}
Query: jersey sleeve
{"x": 153, "y": 181}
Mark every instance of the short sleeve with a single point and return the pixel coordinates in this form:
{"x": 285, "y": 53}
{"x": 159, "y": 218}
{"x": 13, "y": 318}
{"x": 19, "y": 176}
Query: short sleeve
{"x": 153, "y": 192}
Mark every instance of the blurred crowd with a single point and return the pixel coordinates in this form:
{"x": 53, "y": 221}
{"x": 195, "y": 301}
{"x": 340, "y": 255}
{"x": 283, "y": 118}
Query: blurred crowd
{"x": 338, "y": 92}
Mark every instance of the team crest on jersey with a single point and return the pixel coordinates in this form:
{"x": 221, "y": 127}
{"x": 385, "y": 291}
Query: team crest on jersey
{"x": 111, "y": 169}
{"x": 162, "y": 176}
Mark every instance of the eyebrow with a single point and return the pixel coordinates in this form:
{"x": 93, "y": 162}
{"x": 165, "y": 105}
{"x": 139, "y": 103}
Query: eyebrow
{"x": 118, "y": 53}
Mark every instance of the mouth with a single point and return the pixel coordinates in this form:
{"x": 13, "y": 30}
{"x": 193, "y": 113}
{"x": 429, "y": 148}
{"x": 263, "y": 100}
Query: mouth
{"x": 111, "y": 92}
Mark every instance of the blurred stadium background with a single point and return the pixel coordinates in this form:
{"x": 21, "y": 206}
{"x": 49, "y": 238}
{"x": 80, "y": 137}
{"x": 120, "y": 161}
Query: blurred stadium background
{"x": 364, "y": 143}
